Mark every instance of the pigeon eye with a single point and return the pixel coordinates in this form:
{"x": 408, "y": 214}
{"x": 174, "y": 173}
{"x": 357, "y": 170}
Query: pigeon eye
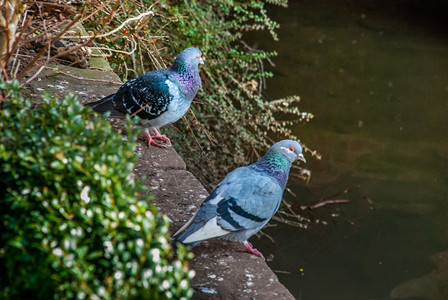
{"x": 291, "y": 149}
{"x": 197, "y": 57}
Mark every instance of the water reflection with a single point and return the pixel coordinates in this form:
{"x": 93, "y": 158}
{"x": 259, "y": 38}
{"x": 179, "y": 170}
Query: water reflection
{"x": 378, "y": 87}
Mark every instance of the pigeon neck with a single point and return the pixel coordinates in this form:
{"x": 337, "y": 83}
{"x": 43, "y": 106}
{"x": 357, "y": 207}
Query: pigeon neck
{"x": 276, "y": 165}
{"x": 180, "y": 66}
{"x": 188, "y": 77}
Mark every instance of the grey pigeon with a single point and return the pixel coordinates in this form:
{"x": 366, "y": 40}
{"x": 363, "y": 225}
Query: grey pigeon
{"x": 245, "y": 200}
{"x": 159, "y": 97}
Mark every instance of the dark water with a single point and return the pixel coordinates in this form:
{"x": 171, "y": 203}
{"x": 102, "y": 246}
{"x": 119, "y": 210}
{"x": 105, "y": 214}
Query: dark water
{"x": 376, "y": 79}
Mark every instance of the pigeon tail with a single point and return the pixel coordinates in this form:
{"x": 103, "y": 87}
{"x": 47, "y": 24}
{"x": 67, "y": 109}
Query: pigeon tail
{"x": 201, "y": 231}
{"x": 106, "y": 105}
{"x": 181, "y": 239}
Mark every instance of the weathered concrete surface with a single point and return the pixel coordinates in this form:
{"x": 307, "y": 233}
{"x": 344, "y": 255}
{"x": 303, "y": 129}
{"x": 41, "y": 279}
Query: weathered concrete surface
{"x": 86, "y": 90}
{"x": 222, "y": 272}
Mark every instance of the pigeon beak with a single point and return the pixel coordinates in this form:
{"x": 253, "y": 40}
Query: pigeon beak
{"x": 201, "y": 61}
{"x": 301, "y": 157}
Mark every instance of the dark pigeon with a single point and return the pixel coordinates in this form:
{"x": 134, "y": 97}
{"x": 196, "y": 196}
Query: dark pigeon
{"x": 158, "y": 98}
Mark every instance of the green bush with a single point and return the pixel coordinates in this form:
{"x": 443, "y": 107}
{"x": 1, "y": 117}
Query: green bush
{"x": 72, "y": 224}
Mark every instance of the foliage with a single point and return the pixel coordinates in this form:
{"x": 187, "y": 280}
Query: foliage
{"x": 72, "y": 223}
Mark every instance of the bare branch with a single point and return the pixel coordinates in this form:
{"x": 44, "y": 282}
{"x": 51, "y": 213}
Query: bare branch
{"x": 328, "y": 202}
{"x": 148, "y": 13}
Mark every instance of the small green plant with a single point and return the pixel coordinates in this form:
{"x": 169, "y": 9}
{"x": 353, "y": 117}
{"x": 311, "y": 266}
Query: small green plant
{"x": 72, "y": 223}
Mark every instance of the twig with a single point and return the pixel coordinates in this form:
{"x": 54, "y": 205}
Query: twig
{"x": 282, "y": 272}
{"x": 141, "y": 108}
{"x": 154, "y": 60}
{"x": 300, "y": 176}
{"x": 142, "y": 65}
{"x": 328, "y": 202}
{"x": 114, "y": 50}
{"x": 267, "y": 235}
{"x": 25, "y": 23}
{"x": 110, "y": 14}
{"x": 255, "y": 151}
{"x": 199, "y": 145}
{"x": 6, "y": 33}
{"x": 210, "y": 138}
{"x": 113, "y": 31}
{"x": 37, "y": 73}
{"x": 291, "y": 192}
{"x": 289, "y": 222}
{"x": 299, "y": 218}
{"x": 48, "y": 56}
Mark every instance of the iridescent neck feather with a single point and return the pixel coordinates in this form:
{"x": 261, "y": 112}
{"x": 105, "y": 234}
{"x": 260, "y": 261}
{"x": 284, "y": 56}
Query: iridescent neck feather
{"x": 188, "y": 77}
{"x": 275, "y": 164}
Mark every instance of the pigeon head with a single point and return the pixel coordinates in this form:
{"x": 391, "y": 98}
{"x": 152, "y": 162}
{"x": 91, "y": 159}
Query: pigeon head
{"x": 187, "y": 59}
{"x": 290, "y": 149}
{"x": 279, "y": 158}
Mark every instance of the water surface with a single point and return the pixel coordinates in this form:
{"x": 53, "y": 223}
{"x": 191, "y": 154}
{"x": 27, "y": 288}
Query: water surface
{"x": 377, "y": 82}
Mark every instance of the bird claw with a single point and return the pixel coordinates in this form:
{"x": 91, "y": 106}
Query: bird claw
{"x": 152, "y": 142}
{"x": 249, "y": 248}
{"x": 158, "y": 136}
{"x": 162, "y": 138}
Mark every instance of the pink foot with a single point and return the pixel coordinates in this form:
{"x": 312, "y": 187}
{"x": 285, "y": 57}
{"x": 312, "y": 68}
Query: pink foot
{"x": 156, "y": 136}
{"x": 250, "y": 249}
{"x": 160, "y": 136}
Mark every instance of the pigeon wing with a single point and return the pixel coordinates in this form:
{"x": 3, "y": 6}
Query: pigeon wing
{"x": 250, "y": 202}
{"x": 148, "y": 95}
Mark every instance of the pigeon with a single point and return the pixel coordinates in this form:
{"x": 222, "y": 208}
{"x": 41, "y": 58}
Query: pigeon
{"x": 159, "y": 97}
{"x": 245, "y": 200}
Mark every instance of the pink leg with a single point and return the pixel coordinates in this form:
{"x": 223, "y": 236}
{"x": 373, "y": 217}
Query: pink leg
{"x": 150, "y": 139}
{"x": 156, "y": 136}
{"x": 250, "y": 249}
{"x": 161, "y": 136}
